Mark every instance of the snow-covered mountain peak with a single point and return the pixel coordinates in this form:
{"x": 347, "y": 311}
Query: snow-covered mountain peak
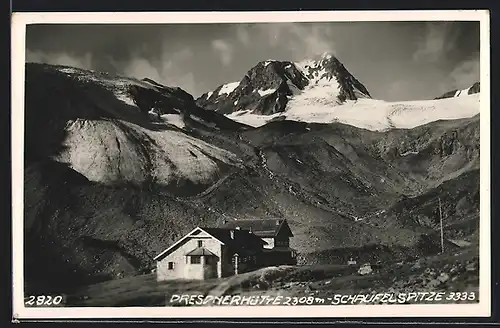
{"x": 321, "y": 90}
{"x": 269, "y": 86}
{"x": 326, "y": 55}
{"x": 327, "y": 70}
{"x": 324, "y": 60}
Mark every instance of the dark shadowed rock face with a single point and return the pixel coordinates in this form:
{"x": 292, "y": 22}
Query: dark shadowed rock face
{"x": 264, "y": 89}
{"x": 475, "y": 88}
{"x": 267, "y": 87}
{"x": 173, "y": 100}
{"x": 161, "y": 99}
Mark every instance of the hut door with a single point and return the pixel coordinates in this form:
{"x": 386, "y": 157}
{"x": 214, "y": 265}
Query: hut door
{"x": 210, "y": 268}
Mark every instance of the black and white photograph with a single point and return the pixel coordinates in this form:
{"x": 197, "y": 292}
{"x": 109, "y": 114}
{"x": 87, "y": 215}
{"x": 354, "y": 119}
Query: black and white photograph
{"x": 325, "y": 162}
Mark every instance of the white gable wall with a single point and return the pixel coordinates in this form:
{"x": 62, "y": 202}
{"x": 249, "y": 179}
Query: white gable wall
{"x": 182, "y": 268}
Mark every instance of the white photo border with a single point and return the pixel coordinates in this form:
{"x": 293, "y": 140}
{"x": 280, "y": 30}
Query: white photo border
{"x": 21, "y": 20}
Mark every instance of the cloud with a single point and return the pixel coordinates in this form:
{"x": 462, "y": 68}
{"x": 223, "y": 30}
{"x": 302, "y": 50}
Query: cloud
{"x": 165, "y": 73}
{"x": 467, "y": 72}
{"x": 316, "y": 39}
{"x": 225, "y": 51}
{"x": 243, "y": 34}
{"x": 302, "y": 40}
{"x": 168, "y": 69}
{"x": 399, "y": 89}
{"x": 199, "y": 57}
{"x": 141, "y": 68}
{"x": 461, "y": 76}
{"x": 60, "y": 58}
{"x": 438, "y": 40}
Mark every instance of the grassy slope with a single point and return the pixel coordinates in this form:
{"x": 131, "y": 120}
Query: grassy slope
{"x": 459, "y": 205}
{"x": 452, "y": 271}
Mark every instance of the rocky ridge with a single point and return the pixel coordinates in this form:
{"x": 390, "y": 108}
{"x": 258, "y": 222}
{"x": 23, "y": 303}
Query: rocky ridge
{"x": 475, "y": 88}
{"x": 267, "y": 87}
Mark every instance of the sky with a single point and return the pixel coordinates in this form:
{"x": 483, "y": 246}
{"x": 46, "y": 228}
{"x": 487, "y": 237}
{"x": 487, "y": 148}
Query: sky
{"x": 394, "y": 60}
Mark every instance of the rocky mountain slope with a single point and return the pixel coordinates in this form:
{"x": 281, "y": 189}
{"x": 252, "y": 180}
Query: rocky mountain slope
{"x": 117, "y": 130}
{"x": 116, "y": 169}
{"x": 473, "y": 89}
{"x": 264, "y": 89}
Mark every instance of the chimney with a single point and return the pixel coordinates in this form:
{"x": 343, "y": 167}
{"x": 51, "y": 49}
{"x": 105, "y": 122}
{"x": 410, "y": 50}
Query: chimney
{"x": 231, "y": 234}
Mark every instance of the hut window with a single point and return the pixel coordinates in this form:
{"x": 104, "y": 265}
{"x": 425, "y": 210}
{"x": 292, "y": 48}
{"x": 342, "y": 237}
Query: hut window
{"x": 200, "y": 243}
{"x": 170, "y": 265}
{"x": 195, "y": 259}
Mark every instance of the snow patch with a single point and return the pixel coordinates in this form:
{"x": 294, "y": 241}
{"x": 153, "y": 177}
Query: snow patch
{"x": 406, "y": 153}
{"x": 269, "y": 61}
{"x": 203, "y": 122}
{"x": 460, "y": 243}
{"x": 228, "y": 88}
{"x": 251, "y": 119}
{"x": 326, "y": 55}
{"x": 209, "y": 94}
{"x": 68, "y": 70}
{"x": 305, "y": 64}
{"x": 322, "y": 86}
{"x": 174, "y": 119}
{"x": 266, "y": 92}
{"x": 240, "y": 112}
{"x": 462, "y": 93}
{"x": 125, "y": 98}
